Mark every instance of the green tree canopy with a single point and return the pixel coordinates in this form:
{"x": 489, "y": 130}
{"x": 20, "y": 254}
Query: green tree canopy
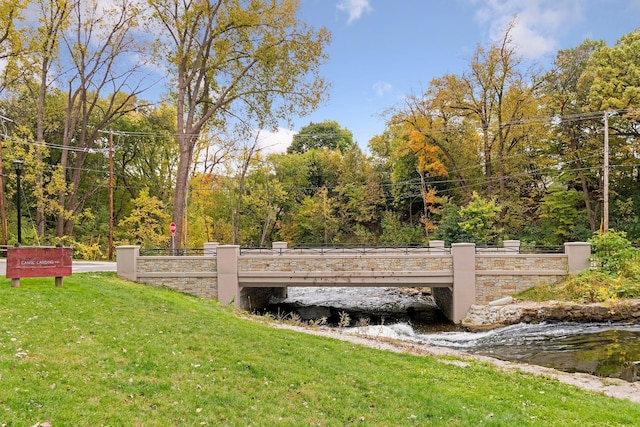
{"x": 615, "y": 73}
{"x": 480, "y": 219}
{"x": 327, "y": 134}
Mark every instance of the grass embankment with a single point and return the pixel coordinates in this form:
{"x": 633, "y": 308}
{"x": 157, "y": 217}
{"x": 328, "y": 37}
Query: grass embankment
{"x": 104, "y": 351}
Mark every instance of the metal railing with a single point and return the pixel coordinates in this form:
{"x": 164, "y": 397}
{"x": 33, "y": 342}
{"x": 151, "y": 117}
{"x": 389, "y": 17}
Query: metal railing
{"x": 524, "y": 249}
{"x": 607, "y": 256}
{"x": 319, "y": 250}
{"x": 171, "y": 252}
{"x": 333, "y": 250}
{"x": 355, "y": 249}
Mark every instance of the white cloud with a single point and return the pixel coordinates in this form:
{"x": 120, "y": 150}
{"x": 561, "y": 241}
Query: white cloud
{"x": 355, "y": 8}
{"x": 275, "y": 142}
{"x": 537, "y": 23}
{"x": 382, "y": 88}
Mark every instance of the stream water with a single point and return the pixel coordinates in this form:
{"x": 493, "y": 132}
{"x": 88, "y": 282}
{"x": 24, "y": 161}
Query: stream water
{"x": 611, "y": 350}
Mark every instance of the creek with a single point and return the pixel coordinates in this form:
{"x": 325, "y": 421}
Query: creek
{"x": 603, "y": 349}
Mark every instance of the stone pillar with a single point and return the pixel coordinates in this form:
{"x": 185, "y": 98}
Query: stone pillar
{"x": 436, "y": 246}
{"x": 511, "y": 246}
{"x": 578, "y": 256}
{"x": 127, "y": 261}
{"x": 279, "y": 293}
{"x": 278, "y": 247}
{"x": 210, "y": 248}
{"x": 228, "y": 288}
{"x": 464, "y": 279}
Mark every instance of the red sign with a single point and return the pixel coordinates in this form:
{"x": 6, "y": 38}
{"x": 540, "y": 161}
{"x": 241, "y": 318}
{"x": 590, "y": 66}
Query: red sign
{"x": 38, "y": 261}
{"x": 172, "y": 228}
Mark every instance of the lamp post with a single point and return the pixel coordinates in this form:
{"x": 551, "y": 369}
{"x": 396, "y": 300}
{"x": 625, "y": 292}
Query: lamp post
{"x": 17, "y": 164}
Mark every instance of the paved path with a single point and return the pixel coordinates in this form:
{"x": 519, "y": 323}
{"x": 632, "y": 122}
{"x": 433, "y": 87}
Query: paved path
{"x": 76, "y": 266}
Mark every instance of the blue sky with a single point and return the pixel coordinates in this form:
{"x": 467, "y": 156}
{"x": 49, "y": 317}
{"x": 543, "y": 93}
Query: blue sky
{"x": 383, "y": 50}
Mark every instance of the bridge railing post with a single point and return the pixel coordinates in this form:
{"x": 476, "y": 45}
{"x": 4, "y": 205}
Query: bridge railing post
{"x": 511, "y": 246}
{"x": 228, "y": 288}
{"x": 464, "y": 279}
{"x": 210, "y": 248}
{"x": 578, "y": 256}
{"x": 279, "y": 247}
{"x": 436, "y": 246}
{"x": 127, "y": 261}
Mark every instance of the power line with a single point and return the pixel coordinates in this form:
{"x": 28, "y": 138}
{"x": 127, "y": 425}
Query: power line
{"x": 481, "y": 180}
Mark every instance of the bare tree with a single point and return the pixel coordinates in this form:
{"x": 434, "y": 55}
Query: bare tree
{"x": 104, "y": 79}
{"x": 42, "y": 54}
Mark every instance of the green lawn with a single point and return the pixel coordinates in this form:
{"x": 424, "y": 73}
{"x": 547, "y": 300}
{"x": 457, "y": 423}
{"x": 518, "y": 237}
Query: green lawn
{"x": 102, "y": 351}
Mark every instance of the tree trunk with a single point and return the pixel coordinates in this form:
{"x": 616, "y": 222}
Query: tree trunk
{"x": 585, "y": 187}
{"x": 182, "y": 182}
{"x": 72, "y": 199}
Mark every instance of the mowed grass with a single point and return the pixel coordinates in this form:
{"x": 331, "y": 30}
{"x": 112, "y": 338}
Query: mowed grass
{"x": 101, "y": 351}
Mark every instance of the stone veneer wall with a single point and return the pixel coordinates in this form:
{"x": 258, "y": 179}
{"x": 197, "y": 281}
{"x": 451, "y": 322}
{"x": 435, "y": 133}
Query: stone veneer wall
{"x": 329, "y": 262}
{"x": 194, "y": 275}
{"x": 497, "y": 275}
{"x": 500, "y": 275}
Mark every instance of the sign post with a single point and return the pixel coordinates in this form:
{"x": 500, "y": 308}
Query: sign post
{"x": 172, "y": 229}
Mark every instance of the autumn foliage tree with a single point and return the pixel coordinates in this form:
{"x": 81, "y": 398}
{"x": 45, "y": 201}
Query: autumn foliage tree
{"x": 491, "y": 152}
{"x": 146, "y": 223}
{"x": 230, "y": 59}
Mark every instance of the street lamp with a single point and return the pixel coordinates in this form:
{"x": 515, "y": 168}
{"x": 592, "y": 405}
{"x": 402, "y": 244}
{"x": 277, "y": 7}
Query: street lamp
{"x": 18, "y": 164}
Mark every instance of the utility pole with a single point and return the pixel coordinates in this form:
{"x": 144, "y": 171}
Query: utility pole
{"x": 605, "y": 173}
{"x": 111, "y": 196}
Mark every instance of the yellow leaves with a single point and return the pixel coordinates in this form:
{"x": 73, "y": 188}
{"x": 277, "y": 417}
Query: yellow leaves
{"x": 615, "y": 75}
{"x": 428, "y": 155}
{"x": 146, "y": 224}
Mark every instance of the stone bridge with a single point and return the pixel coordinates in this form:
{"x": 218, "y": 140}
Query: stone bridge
{"x": 459, "y": 276}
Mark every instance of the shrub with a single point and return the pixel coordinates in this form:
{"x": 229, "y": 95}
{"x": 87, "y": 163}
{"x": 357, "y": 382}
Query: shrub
{"x": 612, "y": 252}
{"x": 617, "y": 274}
